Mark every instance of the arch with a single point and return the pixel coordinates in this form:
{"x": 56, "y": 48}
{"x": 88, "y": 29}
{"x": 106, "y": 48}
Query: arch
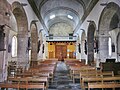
{"x": 90, "y": 42}
{"x": 40, "y": 41}
{"x": 34, "y": 43}
{"x": 22, "y": 24}
{"x": 109, "y": 13}
{"x": 79, "y": 1}
{"x": 83, "y": 38}
{"x": 118, "y": 47}
{"x": 40, "y": 36}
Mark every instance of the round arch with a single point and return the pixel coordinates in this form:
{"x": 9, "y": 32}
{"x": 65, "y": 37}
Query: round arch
{"x": 118, "y": 47}
{"x": 111, "y": 11}
{"x": 22, "y": 24}
{"x": 34, "y": 43}
{"x": 83, "y": 38}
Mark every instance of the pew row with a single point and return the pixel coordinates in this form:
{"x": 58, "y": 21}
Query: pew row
{"x": 27, "y": 83}
{"x": 97, "y": 79}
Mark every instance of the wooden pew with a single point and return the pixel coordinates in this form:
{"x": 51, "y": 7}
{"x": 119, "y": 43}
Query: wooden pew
{"x": 76, "y": 72}
{"x": 97, "y": 79}
{"x": 9, "y": 85}
{"x": 24, "y": 83}
{"x": 30, "y": 81}
{"x": 95, "y": 74}
{"x": 103, "y": 85}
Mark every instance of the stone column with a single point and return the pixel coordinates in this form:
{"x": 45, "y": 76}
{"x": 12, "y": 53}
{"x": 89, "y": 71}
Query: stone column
{"x": 22, "y": 51}
{"x": 103, "y": 48}
{"x": 91, "y": 53}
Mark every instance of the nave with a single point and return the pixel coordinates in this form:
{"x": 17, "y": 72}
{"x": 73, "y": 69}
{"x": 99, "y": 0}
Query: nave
{"x": 59, "y": 44}
{"x": 63, "y": 75}
{"x": 62, "y": 79}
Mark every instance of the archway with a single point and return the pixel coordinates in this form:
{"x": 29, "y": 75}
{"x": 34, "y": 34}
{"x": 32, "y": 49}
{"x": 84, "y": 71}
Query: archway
{"x": 90, "y": 43}
{"x": 118, "y": 47}
{"x": 22, "y": 24}
{"x": 40, "y": 42}
{"x": 105, "y": 25}
{"x": 83, "y": 55}
{"x": 34, "y": 44}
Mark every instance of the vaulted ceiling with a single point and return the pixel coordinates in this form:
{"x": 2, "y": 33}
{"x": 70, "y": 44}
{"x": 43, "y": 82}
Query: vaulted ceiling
{"x": 72, "y": 12}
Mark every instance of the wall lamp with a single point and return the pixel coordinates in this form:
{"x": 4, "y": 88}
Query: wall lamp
{"x": 103, "y": 4}
{"x": 7, "y": 14}
{"x": 35, "y": 21}
{"x": 23, "y": 4}
{"x": 40, "y": 30}
{"x": 3, "y": 26}
{"x": 89, "y": 21}
{"x": 82, "y": 29}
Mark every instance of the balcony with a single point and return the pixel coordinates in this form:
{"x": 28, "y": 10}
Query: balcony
{"x": 61, "y": 38}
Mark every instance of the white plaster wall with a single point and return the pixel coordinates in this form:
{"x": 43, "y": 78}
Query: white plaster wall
{"x": 114, "y": 33}
{"x": 95, "y": 16}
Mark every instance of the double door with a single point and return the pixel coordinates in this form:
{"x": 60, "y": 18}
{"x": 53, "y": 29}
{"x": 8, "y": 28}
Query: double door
{"x": 61, "y": 50}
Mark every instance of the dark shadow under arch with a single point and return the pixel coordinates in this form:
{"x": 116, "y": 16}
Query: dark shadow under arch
{"x": 90, "y": 42}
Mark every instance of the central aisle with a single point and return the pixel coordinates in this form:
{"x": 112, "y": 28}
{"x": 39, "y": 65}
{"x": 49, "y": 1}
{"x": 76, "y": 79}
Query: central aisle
{"x": 62, "y": 80}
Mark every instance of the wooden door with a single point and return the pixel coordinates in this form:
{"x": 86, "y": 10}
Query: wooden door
{"x": 51, "y": 55}
{"x": 60, "y": 49}
{"x": 64, "y": 51}
{"x": 70, "y": 54}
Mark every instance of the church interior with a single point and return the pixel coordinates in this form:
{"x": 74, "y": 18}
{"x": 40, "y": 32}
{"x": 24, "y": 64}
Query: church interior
{"x": 60, "y": 44}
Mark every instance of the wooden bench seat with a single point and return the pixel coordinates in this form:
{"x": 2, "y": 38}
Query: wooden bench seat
{"x": 31, "y": 81}
{"x": 21, "y": 85}
{"x": 97, "y": 79}
{"x": 95, "y": 74}
{"x": 9, "y": 85}
{"x": 76, "y": 71}
{"x": 103, "y": 85}
{"x": 36, "y": 86}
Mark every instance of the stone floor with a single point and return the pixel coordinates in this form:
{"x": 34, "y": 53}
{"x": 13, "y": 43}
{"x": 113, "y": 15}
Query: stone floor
{"x": 62, "y": 80}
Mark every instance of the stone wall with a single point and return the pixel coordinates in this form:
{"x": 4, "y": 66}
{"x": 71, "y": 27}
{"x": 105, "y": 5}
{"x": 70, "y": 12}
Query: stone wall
{"x": 4, "y": 20}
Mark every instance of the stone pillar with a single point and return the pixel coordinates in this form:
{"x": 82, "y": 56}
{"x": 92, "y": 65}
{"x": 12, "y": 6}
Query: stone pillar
{"x": 22, "y": 51}
{"x": 90, "y": 53}
{"x": 103, "y": 48}
{"x": 4, "y": 20}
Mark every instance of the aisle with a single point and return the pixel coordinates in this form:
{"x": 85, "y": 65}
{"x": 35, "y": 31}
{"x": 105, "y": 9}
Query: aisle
{"x": 62, "y": 79}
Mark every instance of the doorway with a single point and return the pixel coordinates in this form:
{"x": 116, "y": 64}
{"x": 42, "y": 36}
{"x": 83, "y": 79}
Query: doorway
{"x": 61, "y": 49}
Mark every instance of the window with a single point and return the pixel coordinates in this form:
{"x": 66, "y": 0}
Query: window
{"x": 109, "y": 46}
{"x": 70, "y": 17}
{"x": 52, "y": 16}
{"x": 14, "y": 46}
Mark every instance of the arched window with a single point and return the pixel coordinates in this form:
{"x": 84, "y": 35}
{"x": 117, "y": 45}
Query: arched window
{"x": 14, "y": 46}
{"x": 109, "y": 46}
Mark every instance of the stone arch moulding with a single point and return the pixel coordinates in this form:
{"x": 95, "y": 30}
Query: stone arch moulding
{"x": 34, "y": 43}
{"x": 104, "y": 27}
{"x": 83, "y": 55}
{"x": 22, "y": 24}
{"x": 118, "y": 47}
